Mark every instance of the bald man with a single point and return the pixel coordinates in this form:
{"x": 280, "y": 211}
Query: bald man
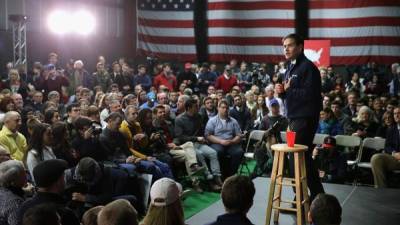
{"x": 12, "y": 140}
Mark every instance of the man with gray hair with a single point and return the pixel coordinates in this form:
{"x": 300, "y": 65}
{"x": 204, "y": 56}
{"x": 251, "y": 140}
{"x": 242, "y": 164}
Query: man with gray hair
{"x": 12, "y": 179}
{"x": 12, "y": 140}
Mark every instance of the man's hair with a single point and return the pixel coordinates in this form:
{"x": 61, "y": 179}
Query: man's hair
{"x": 165, "y": 65}
{"x": 128, "y": 108}
{"x": 155, "y": 110}
{"x": 190, "y": 103}
{"x": 326, "y": 210}
{"x": 90, "y": 216}
{"x": 115, "y": 115}
{"x": 43, "y": 214}
{"x": 51, "y": 94}
{"x": 297, "y": 38}
{"x": 92, "y": 110}
{"x": 237, "y": 193}
{"x": 223, "y": 102}
{"x": 73, "y": 105}
{"x": 337, "y": 103}
{"x": 82, "y": 122}
{"x": 118, "y": 212}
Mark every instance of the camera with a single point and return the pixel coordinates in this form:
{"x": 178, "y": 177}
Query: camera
{"x": 96, "y": 128}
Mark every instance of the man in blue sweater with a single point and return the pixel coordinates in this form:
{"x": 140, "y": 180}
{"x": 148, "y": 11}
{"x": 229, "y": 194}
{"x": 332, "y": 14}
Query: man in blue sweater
{"x": 303, "y": 103}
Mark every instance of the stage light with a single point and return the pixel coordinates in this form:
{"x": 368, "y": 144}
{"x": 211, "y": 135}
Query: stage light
{"x": 60, "y": 22}
{"x": 81, "y": 22}
{"x": 84, "y": 22}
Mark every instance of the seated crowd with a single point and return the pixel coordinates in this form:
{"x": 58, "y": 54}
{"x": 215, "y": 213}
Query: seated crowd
{"x": 83, "y": 140}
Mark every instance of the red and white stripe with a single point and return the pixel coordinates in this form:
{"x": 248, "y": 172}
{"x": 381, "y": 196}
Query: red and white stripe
{"x": 360, "y": 31}
{"x": 166, "y": 34}
{"x": 249, "y": 30}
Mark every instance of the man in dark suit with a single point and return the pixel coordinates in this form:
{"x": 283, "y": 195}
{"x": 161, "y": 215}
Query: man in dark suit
{"x": 303, "y": 103}
{"x": 390, "y": 160}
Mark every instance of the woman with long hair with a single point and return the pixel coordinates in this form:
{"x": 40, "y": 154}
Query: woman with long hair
{"x": 39, "y": 146}
{"x": 51, "y": 116}
{"x": 165, "y": 206}
{"x": 62, "y": 147}
{"x": 259, "y": 111}
{"x": 328, "y": 124}
{"x": 387, "y": 121}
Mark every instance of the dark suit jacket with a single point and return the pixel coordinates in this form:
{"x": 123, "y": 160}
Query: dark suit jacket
{"x": 303, "y": 98}
{"x": 392, "y": 140}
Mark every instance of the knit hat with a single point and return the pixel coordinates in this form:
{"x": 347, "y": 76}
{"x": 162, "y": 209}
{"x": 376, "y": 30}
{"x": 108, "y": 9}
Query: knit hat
{"x": 48, "y": 172}
{"x": 165, "y": 191}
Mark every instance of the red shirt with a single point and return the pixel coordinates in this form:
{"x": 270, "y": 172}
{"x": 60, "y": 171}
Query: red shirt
{"x": 169, "y": 82}
{"x": 225, "y": 84}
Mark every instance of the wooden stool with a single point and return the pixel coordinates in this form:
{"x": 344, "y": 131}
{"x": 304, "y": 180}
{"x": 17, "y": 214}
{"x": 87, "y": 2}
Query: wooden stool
{"x": 277, "y": 179}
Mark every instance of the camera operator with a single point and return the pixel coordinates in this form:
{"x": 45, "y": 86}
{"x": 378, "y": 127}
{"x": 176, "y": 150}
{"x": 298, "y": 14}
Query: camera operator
{"x": 330, "y": 161}
{"x": 244, "y": 77}
{"x": 260, "y": 77}
{"x": 86, "y": 142}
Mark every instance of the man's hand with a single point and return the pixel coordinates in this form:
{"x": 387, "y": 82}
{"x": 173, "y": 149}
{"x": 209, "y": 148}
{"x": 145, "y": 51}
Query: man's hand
{"x": 138, "y": 137}
{"x": 286, "y": 84}
{"x": 88, "y": 134}
{"x": 130, "y": 159}
{"x": 396, "y": 155}
{"x": 225, "y": 142}
{"x": 201, "y": 140}
{"x": 78, "y": 197}
{"x": 171, "y": 145}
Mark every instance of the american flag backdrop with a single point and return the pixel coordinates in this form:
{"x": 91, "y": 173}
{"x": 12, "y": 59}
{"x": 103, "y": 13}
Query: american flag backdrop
{"x": 359, "y": 30}
{"x": 252, "y": 30}
{"x": 249, "y": 30}
{"x": 165, "y": 29}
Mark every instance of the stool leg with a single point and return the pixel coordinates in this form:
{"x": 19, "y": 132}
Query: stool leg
{"x": 298, "y": 190}
{"x": 272, "y": 188}
{"x": 304, "y": 186}
{"x": 279, "y": 185}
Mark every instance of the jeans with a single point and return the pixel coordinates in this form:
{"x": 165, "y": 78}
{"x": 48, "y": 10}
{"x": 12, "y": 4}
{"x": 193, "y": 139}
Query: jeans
{"x": 235, "y": 152}
{"x": 206, "y": 152}
{"x": 156, "y": 168}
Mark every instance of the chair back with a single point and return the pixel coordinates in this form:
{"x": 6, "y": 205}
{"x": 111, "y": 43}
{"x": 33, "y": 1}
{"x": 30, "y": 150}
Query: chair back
{"x": 348, "y": 141}
{"x": 377, "y": 144}
{"x": 319, "y": 138}
{"x": 256, "y": 135}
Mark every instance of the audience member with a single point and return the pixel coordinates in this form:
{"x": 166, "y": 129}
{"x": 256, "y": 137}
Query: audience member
{"x": 325, "y": 210}
{"x": 43, "y": 214}
{"x": 10, "y": 138}
{"x": 49, "y": 179}
{"x": 118, "y": 212}
{"x": 237, "y": 196}
{"x": 12, "y": 180}
{"x": 90, "y": 216}
{"x": 224, "y": 134}
{"x": 165, "y": 204}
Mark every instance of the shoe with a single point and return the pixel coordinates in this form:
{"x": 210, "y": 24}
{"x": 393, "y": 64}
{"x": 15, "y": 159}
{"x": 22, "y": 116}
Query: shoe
{"x": 214, "y": 187}
{"x": 196, "y": 170}
{"x": 185, "y": 194}
{"x": 196, "y": 186}
{"x": 218, "y": 181}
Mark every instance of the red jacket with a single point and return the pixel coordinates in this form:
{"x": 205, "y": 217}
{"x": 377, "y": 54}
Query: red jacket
{"x": 225, "y": 84}
{"x": 169, "y": 82}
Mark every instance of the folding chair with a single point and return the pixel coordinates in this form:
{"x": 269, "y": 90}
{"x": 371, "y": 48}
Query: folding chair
{"x": 283, "y": 136}
{"x": 349, "y": 142}
{"x": 377, "y": 144}
{"x": 255, "y": 135}
{"x": 319, "y": 138}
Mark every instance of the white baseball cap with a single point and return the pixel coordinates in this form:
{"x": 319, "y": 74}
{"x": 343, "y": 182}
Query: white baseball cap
{"x": 165, "y": 191}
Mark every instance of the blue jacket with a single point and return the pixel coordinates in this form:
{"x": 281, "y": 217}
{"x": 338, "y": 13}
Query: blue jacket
{"x": 303, "y": 98}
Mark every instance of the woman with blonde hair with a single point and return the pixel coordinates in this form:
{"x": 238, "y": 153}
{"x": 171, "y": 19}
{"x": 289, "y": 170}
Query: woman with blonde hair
{"x": 365, "y": 124}
{"x": 165, "y": 207}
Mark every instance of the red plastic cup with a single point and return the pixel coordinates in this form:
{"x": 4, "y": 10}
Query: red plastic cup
{"x": 290, "y": 138}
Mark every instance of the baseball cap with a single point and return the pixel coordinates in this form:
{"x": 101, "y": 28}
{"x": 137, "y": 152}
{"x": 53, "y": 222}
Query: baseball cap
{"x": 274, "y": 102}
{"x": 329, "y": 142}
{"x": 188, "y": 65}
{"x": 165, "y": 191}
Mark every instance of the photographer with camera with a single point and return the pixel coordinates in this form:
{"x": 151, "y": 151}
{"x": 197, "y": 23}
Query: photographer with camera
{"x": 86, "y": 143}
{"x": 260, "y": 77}
{"x": 331, "y": 162}
{"x": 245, "y": 77}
